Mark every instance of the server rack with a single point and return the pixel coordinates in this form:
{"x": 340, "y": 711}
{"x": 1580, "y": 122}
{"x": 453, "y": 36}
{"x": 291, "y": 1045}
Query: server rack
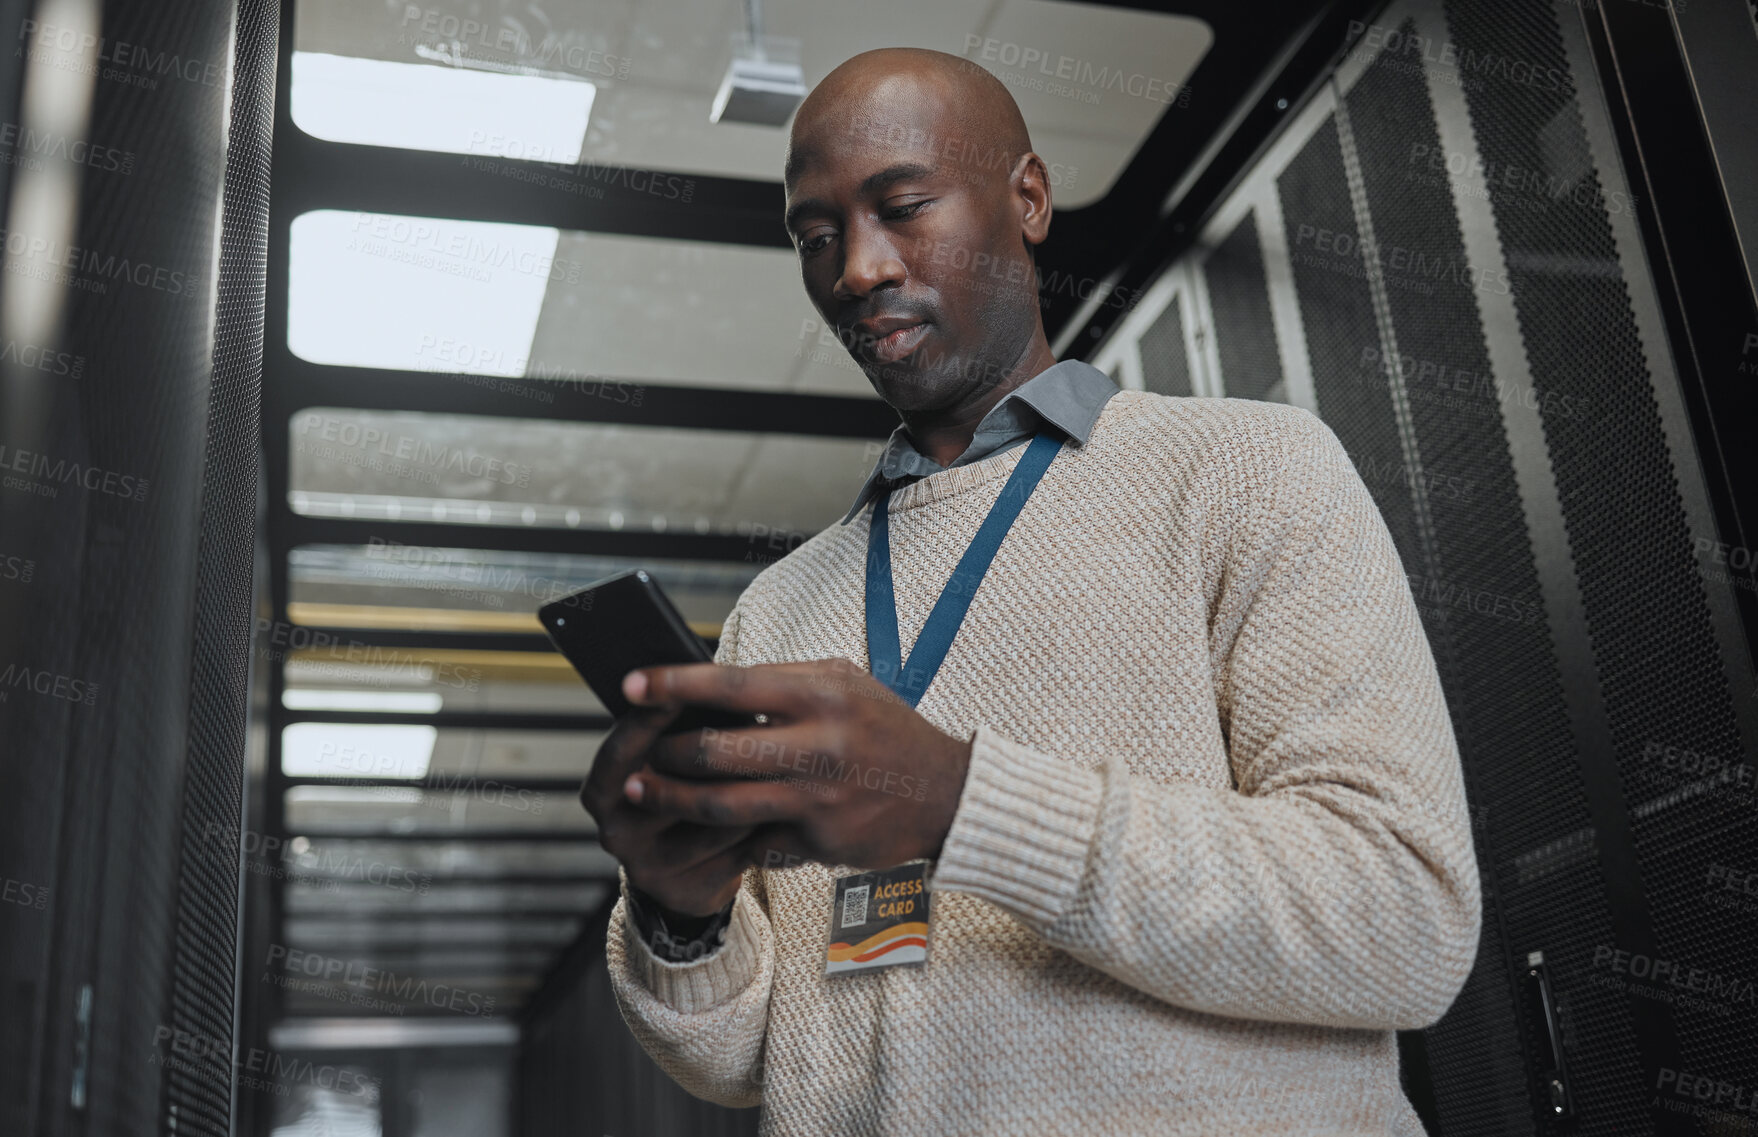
{"x": 1444, "y": 256}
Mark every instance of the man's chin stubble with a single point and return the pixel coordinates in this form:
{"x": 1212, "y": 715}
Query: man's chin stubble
{"x": 928, "y": 373}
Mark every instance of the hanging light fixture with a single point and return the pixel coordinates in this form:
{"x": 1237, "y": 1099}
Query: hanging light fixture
{"x": 760, "y": 87}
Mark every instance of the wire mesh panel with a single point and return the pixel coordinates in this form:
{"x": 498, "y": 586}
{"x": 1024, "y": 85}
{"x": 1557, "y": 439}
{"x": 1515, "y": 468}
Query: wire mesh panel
{"x": 1352, "y": 377}
{"x": 1470, "y": 316}
{"x": 1165, "y": 364}
{"x": 1656, "y": 655}
{"x": 1475, "y": 581}
{"x": 1239, "y": 300}
{"x": 207, "y": 893}
{"x": 127, "y": 457}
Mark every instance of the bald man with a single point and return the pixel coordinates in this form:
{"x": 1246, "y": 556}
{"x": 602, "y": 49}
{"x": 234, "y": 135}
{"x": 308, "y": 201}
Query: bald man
{"x": 1104, "y": 783}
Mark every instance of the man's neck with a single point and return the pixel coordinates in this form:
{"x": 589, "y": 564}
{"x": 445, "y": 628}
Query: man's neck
{"x": 946, "y": 432}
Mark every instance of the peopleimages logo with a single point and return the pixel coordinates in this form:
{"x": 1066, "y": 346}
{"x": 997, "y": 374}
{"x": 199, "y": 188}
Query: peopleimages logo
{"x": 441, "y": 570}
{"x": 1472, "y": 66}
{"x": 460, "y": 251}
{"x": 24, "y": 894}
{"x": 1724, "y": 989}
{"x": 1074, "y": 70}
{"x": 971, "y": 160}
{"x": 1708, "y": 1090}
{"x": 76, "y": 259}
{"x": 212, "y": 1058}
{"x": 115, "y": 58}
{"x": 369, "y": 443}
{"x": 404, "y": 989}
{"x": 1538, "y": 184}
{"x": 319, "y": 862}
{"x": 33, "y": 464}
{"x": 50, "y": 684}
{"x": 22, "y": 142}
{"x": 460, "y": 34}
{"x": 42, "y": 358}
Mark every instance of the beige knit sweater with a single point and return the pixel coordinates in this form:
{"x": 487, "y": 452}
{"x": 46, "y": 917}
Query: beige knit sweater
{"x": 1213, "y": 848}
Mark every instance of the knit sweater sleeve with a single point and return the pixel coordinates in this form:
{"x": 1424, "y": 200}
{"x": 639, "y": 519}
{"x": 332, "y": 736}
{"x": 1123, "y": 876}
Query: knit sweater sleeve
{"x": 704, "y": 1022}
{"x": 1334, "y": 883}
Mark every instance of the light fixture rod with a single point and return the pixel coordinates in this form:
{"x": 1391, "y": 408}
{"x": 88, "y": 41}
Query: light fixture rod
{"x": 754, "y": 24}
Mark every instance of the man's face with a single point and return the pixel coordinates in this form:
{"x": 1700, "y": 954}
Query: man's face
{"x": 910, "y": 246}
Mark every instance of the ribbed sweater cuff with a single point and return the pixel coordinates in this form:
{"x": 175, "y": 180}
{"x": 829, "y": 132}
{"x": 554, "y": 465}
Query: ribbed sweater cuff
{"x": 1024, "y": 825}
{"x": 703, "y": 984}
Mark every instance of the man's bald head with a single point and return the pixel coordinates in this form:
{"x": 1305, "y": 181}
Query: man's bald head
{"x": 915, "y": 201}
{"x": 894, "y": 89}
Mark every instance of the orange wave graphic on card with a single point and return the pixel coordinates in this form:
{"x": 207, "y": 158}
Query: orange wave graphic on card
{"x": 879, "y": 943}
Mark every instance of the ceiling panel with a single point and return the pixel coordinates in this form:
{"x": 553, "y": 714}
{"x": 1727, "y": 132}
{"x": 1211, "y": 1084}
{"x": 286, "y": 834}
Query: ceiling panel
{"x": 454, "y": 759}
{"x": 466, "y": 469}
{"x": 656, "y": 65}
{"x": 346, "y": 860}
{"x": 1097, "y": 72}
{"x": 522, "y": 302}
{"x": 494, "y": 900}
{"x": 417, "y": 293}
{"x": 536, "y": 682}
{"x": 482, "y": 807}
{"x": 389, "y": 574}
{"x": 354, "y": 934}
{"x": 686, "y": 312}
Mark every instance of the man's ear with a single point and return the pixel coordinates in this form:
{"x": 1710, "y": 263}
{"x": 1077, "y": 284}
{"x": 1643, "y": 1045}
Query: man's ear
{"x": 1031, "y": 191}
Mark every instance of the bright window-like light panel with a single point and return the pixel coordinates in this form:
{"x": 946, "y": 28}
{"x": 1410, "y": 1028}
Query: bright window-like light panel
{"x": 416, "y": 293}
{"x": 421, "y": 106}
{"x": 320, "y": 699}
{"x": 351, "y": 750}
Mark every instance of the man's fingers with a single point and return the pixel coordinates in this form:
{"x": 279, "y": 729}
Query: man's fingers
{"x": 749, "y": 753}
{"x": 685, "y": 846}
{"x": 789, "y": 689}
{"x": 721, "y": 804}
{"x": 625, "y": 748}
{"x": 778, "y": 845}
{"x": 700, "y": 887}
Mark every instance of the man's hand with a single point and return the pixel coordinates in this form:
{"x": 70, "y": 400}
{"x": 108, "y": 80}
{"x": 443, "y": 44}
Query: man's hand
{"x": 687, "y": 869}
{"x": 844, "y": 772}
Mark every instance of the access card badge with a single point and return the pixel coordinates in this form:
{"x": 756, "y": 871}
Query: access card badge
{"x": 879, "y": 919}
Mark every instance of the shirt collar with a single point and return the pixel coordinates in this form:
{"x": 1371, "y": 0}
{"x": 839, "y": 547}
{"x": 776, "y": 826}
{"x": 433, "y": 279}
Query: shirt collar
{"x": 1069, "y": 396}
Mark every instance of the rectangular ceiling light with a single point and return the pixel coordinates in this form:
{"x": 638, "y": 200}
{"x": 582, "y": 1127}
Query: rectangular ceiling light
{"x": 417, "y": 293}
{"x": 318, "y": 699}
{"x": 424, "y": 106}
{"x": 356, "y": 750}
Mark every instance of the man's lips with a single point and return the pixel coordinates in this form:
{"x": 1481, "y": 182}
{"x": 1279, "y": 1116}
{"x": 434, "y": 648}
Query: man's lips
{"x": 887, "y": 341}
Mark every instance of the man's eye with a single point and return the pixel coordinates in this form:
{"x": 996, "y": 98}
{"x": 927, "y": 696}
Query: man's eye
{"x": 905, "y": 211}
{"x": 814, "y": 242}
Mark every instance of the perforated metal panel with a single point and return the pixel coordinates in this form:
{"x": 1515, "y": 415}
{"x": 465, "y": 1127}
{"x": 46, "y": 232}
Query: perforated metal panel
{"x": 1658, "y": 662}
{"x": 203, "y": 979}
{"x": 1351, "y": 381}
{"x": 1239, "y": 299}
{"x": 1165, "y": 364}
{"x": 1500, "y": 672}
{"x": 119, "y": 990}
{"x": 1471, "y": 293}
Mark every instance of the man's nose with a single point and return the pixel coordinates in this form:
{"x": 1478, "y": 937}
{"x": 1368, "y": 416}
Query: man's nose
{"x": 871, "y": 261}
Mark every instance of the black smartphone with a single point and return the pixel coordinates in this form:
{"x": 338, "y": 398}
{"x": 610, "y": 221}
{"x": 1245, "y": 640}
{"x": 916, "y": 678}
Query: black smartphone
{"x": 623, "y": 622}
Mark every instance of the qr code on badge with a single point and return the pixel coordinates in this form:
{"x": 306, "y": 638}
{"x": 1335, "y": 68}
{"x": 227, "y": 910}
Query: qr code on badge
{"x": 854, "y": 906}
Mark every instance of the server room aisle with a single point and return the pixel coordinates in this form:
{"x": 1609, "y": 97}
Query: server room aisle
{"x": 337, "y": 338}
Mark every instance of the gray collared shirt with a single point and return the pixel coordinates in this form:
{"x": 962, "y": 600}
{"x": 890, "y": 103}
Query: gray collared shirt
{"x": 1067, "y": 396}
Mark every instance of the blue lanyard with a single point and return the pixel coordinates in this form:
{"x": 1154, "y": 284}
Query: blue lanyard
{"x": 929, "y": 651}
